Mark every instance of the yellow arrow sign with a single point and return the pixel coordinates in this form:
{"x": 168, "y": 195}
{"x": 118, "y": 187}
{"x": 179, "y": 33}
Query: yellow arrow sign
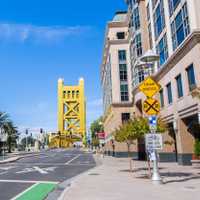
{"x": 149, "y": 87}
{"x": 151, "y": 106}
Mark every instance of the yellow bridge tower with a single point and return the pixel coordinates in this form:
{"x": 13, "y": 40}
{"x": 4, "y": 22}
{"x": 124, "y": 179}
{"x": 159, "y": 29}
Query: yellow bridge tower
{"x": 71, "y": 115}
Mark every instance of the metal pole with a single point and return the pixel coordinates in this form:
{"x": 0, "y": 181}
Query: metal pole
{"x": 3, "y": 152}
{"x": 156, "y": 178}
{"x": 26, "y": 143}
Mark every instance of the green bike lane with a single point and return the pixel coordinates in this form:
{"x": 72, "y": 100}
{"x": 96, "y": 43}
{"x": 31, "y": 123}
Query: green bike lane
{"x": 38, "y": 191}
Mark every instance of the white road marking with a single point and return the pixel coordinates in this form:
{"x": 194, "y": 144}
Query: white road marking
{"x": 2, "y": 173}
{"x": 7, "y": 168}
{"x": 40, "y": 170}
{"x": 67, "y": 163}
{"x": 24, "y": 181}
{"x": 37, "y": 169}
{"x": 20, "y": 194}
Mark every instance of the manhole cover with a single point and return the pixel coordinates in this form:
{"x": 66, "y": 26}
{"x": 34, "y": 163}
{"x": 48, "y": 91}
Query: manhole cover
{"x": 94, "y": 174}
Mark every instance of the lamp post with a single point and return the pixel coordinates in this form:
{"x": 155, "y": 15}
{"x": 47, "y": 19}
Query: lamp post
{"x": 26, "y": 132}
{"x": 151, "y": 57}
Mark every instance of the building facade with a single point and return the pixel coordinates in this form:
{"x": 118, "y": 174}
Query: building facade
{"x": 174, "y": 34}
{"x": 116, "y": 79}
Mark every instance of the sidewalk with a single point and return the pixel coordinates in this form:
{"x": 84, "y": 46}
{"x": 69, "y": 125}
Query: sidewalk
{"x": 113, "y": 181}
{"x": 12, "y": 157}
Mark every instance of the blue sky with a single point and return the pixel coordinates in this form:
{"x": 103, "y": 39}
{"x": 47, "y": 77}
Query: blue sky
{"x": 41, "y": 41}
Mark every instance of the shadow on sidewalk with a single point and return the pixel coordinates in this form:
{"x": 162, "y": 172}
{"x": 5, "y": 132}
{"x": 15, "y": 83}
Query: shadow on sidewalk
{"x": 138, "y": 169}
{"x": 181, "y": 180}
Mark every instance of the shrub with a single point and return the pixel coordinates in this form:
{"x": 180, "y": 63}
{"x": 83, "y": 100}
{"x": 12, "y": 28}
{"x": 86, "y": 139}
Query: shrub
{"x": 197, "y": 147}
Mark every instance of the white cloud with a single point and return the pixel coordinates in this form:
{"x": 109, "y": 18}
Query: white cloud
{"x": 26, "y": 32}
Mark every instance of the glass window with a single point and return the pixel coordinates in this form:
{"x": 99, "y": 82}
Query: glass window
{"x": 173, "y": 5}
{"x": 124, "y": 92}
{"x": 161, "y": 98}
{"x": 120, "y": 35}
{"x": 123, "y": 72}
{"x": 159, "y": 19}
{"x": 162, "y": 49}
{"x": 179, "y": 86}
{"x": 191, "y": 77}
{"x": 136, "y": 18}
{"x": 148, "y": 12}
{"x": 125, "y": 117}
{"x": 180, "y": 27}
{"x": 138, "y": 44}
{"x": 122, "y": 55}
{"x": 150, "y": 36}
{"x": 169, "y": 92}
{"x": 154, "y": 2}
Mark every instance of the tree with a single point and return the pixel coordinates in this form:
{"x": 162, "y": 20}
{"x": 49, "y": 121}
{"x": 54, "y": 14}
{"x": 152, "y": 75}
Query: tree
{"x": 30, "y": 141}
{"x": 8, "y": 128}
{"x": 196, "y": 93}
{"x": 11, "y": 132}
{"x": 135, "y": 129}
{"x": 95, "y": 142}
{"x": 96, "y": 126}
{"x": 3, "y": 118}
{"x": 131, "y": 131}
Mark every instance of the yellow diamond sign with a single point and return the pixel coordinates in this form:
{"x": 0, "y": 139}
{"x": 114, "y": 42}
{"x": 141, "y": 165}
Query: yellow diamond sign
{"x": 151, "y": 106}
{"x": 149, "y": 87}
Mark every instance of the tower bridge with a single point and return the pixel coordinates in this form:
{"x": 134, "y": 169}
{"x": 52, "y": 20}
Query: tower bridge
{"x": 71, "y": 115}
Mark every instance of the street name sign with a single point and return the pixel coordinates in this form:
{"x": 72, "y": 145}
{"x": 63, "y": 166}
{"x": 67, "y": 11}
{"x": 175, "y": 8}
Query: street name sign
{"x": 154, "y": 142}
{"x": 151, "y": 106}
{"x": 149, "y": 87}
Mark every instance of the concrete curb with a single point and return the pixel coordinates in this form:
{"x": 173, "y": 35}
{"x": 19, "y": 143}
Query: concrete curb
{"x": 63, "y": 187}
{"x": 13, "y": 159}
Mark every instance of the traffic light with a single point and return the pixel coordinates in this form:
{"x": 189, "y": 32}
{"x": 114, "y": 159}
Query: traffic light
{"x": 41, "y": 130}
{"x": 26, "y": 131}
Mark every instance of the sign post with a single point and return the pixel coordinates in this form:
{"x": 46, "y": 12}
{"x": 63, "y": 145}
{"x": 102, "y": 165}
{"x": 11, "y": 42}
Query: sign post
{"x": 153, "y": 141}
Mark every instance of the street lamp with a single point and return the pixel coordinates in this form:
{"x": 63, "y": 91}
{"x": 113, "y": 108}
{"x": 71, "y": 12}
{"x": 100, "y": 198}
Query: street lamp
{"x": 151, "y": 57}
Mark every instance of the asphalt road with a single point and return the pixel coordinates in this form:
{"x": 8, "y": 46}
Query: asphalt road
{"x": 53, "y": 166}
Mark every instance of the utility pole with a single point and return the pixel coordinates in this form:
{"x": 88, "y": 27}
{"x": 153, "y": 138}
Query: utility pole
{"x": 26, "y": 132}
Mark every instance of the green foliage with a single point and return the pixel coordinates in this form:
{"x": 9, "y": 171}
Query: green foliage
{"x": 30, "y": 141}
{"x": 161, "y": 126}
{"x": 96, "y": 126}
{"x": 132, "y": 130}
{"x": 197, "y": 147}
{"x": 196, "y": 93}
{"x": 9, "y": 129}
{"x": 135, "y": 129}
{"x": 95, "y": 142}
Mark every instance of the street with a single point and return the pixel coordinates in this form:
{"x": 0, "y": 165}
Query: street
{"x": 45, "y": 170}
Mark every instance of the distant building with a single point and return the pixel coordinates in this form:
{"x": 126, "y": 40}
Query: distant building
{"x": 116, "y": 78}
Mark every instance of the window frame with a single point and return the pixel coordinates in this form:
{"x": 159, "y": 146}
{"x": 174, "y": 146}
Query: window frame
{"x": 179, "y": 86}
{"x": 169, "y": 93}
{"x": 162, "y": 101}
{"x": 191, "y": 85}
{"x": 122, "y": 54}
{"x": 124, "y": 92}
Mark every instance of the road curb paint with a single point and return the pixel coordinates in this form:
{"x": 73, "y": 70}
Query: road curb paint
{"x": 36, "y": 192}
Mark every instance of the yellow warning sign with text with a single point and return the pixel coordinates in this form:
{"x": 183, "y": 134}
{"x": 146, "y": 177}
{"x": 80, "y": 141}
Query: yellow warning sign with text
{"x": 149, "y": 87}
